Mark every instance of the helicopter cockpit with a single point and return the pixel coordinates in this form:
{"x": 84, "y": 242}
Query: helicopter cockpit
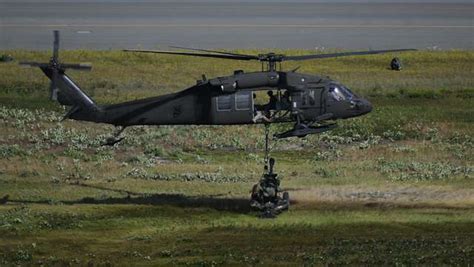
{"x": 340, "y": 92}
{"x": 343, "y": 103}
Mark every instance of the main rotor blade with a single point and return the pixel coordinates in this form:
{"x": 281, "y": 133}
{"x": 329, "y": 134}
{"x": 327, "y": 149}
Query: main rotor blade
{"x": 343, "y": 54}
{"x": 235, "y": 57}
{"x": 56, "y": 45}
{"x": 213, "y": 51}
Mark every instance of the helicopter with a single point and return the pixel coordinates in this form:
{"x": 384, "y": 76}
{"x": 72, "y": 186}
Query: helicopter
{"x": 311, "y": 102}
{"x": 312, "y": 99}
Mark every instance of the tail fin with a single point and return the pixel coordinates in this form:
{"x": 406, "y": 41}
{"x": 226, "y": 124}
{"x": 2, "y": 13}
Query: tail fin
{"x": 63, "y": 89}
{"x": 66, "y": 92}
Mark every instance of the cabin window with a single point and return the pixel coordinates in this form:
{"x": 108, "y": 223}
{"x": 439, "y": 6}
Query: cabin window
{"x": 224, "y": 103}
{"x": 242, "y": 101}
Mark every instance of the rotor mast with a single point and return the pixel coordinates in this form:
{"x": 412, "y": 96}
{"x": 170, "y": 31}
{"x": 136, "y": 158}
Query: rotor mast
{"x": 271, "y": 60}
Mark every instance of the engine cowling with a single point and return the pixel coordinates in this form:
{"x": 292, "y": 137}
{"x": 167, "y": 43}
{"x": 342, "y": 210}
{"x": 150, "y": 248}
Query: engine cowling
{"x": 230, "y": 84}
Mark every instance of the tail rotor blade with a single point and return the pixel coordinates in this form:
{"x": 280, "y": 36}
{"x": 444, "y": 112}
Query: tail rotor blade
{"x": 56, "y": 45}
{"x": 33, "y": 64}
{"x": 80, "y": 66}
{"x": 54, "y": 85}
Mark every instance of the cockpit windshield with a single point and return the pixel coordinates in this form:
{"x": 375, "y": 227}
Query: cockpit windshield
{"x": 340, "y": 92}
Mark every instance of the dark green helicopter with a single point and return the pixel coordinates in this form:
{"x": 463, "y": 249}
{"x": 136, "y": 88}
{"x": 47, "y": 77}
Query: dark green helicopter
{"x": 310, "y": 100}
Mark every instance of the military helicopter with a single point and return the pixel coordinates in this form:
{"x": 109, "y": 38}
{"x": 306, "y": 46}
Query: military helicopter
{"x": 312, "y": 99}
{"x": 311, "y": 102}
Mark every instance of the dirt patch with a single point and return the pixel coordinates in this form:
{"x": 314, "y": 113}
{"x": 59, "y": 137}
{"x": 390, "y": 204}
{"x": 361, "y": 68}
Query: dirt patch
{"x": 388, "y": 197}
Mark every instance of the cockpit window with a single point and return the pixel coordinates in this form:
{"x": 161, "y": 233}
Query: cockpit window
{"x": 348, "y": 91}
{"x": 339, "y": 92}
{"x": 336, "y": 93}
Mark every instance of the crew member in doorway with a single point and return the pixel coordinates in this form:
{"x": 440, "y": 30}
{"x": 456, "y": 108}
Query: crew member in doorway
{"x": 285, "y": 103}
{"x": 258, "y": 115}
{"x": 271, "y": 105}
{"x": 272, "y": 101}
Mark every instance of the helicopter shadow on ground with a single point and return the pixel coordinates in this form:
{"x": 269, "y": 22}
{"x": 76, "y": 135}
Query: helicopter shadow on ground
{"x": 217, "y": 202}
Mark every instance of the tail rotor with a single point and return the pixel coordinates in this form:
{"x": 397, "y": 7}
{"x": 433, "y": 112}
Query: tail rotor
{"x": 55, "y": 68}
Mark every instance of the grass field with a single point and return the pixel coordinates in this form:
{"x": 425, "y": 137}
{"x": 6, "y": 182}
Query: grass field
{"x": 393, "y": 187}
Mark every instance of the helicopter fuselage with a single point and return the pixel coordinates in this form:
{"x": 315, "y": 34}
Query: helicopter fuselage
{"x": 311, "y": 101}
{"x": 229, "y": 100}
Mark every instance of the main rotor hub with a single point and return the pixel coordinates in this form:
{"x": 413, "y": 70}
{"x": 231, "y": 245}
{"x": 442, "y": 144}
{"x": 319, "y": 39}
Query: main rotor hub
{"x": 271, "y": 57}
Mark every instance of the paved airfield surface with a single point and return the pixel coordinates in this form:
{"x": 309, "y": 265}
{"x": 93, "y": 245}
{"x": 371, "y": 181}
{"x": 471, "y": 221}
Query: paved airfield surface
{"x": 113, "y": 24}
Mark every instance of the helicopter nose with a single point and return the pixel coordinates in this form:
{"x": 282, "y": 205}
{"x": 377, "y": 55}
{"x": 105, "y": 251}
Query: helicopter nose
{"x": 361, "y": 106}
{"x": 364, "y": 106}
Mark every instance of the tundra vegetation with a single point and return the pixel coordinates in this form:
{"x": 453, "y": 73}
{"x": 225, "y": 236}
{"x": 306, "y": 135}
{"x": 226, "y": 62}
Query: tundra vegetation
{"x": 393, "y": 187}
